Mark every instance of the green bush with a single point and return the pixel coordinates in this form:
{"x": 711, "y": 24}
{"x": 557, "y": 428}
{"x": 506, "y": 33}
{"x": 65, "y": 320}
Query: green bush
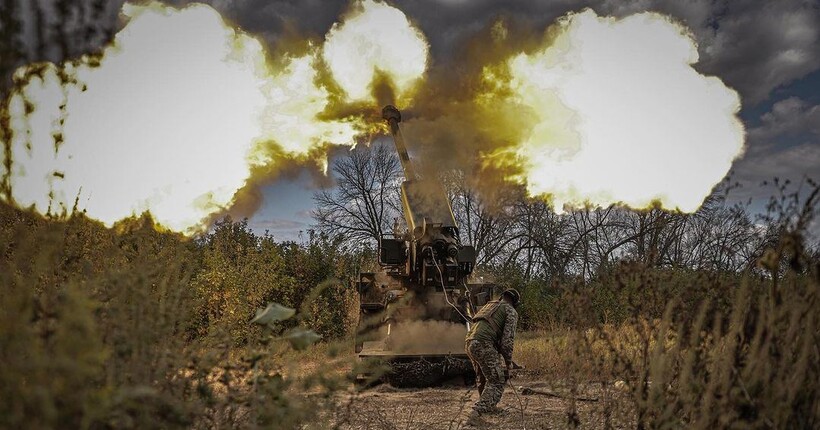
{"x": 239, "y": 272}
{"x": 134, "y": 327}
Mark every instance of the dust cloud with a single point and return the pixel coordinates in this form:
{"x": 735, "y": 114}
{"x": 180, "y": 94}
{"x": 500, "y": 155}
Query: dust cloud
{"x": 427, "y": 337}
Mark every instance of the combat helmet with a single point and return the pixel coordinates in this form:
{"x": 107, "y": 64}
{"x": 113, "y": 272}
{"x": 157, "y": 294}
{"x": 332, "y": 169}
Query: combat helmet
{"x": 513, "y": 294}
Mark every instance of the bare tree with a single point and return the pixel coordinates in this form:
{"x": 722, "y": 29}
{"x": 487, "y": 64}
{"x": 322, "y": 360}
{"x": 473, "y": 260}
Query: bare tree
{"x": 525, "y": 236}
{"x": 540, "y": 243}
{"x": 365, "y": 201}
{"x": 481, "y": 225}
{"x": 537, "y": 239}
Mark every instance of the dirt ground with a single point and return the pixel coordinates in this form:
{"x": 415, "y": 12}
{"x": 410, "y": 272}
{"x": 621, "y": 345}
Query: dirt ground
{"x": 447, "y": 407}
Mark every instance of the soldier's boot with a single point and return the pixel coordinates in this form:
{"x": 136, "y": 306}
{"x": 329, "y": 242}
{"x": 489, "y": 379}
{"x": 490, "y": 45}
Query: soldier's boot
{"x": 495, "y": 410}
{"x": 475, "y": 420}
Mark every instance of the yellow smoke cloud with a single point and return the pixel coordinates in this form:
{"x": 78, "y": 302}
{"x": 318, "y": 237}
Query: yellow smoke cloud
{"x": 620, "y": 115}
{"x": 294, "y": 101}
{"x": 181, "y": 110}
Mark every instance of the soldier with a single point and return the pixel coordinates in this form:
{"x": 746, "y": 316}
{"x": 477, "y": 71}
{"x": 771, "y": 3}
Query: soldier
{"x": 492, "y": 334}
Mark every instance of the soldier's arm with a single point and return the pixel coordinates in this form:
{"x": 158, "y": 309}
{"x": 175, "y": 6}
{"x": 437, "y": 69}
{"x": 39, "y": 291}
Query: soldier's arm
{"x": 508, "y": 335}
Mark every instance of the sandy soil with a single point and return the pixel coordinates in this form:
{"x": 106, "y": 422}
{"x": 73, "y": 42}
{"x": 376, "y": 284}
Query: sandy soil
{"x": 447, "y": 407}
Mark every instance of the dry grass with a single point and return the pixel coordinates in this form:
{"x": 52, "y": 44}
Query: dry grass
{"x": 592, "y": 354}
{"x": 131, "y": 327}
{"x": 755, "y": 366}
{"x": 114, "y": 328}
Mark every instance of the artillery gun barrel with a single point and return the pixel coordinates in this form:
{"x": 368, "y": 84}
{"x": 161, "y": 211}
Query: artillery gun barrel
{"x": 424, "y": 199}
{"x": 393, "y": 117}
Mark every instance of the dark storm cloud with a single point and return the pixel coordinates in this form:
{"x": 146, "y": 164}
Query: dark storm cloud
{"x": 754, "y": 46}
{"x": 789, "y": 117}
{"x": 273, "y": 19}
{"x": 758, "y": 46}
{"x": 54, "y": 31}
{"x": 786, "y": 145}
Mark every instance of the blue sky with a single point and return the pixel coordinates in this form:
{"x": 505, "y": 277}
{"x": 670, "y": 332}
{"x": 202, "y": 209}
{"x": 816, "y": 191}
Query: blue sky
{"x": 285, "y": 210}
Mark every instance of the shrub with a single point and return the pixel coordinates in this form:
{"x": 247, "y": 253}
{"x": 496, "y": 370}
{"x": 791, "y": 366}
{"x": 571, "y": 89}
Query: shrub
{"x": 134, "y": 327}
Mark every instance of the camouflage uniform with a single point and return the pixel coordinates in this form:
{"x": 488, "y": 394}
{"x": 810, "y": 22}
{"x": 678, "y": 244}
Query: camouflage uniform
{"x": 492, "y": 334}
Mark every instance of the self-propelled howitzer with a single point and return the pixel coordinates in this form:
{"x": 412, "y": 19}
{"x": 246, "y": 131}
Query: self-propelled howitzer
{"x": 431, "y": 244}
{"x": 417, "y": 308}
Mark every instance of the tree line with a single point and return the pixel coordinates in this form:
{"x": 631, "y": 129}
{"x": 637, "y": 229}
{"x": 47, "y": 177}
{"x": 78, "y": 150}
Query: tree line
{"x": 524, "y": 234}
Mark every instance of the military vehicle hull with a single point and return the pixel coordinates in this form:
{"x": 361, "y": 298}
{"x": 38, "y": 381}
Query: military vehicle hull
{"x": 415, "y": 333}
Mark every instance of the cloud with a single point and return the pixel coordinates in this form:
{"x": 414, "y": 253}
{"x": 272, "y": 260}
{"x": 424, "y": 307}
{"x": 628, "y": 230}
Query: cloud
{"x": 276, "y": 224}
{"x": 277, "y": 18}
{"x": 791, "y": 163}
{"x": 753, "y": 46}
{"x": 786, "y": 145}
{"x": 759, "y": 46}
{"x": 788, "y": 117}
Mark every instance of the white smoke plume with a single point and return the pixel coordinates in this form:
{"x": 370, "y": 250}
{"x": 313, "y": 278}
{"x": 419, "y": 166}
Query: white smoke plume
{"x": 181, "y": 109}
{"x": 375, "y": 37}
{"x": 619, "y": 115}
{"x": 165, "y": 123}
